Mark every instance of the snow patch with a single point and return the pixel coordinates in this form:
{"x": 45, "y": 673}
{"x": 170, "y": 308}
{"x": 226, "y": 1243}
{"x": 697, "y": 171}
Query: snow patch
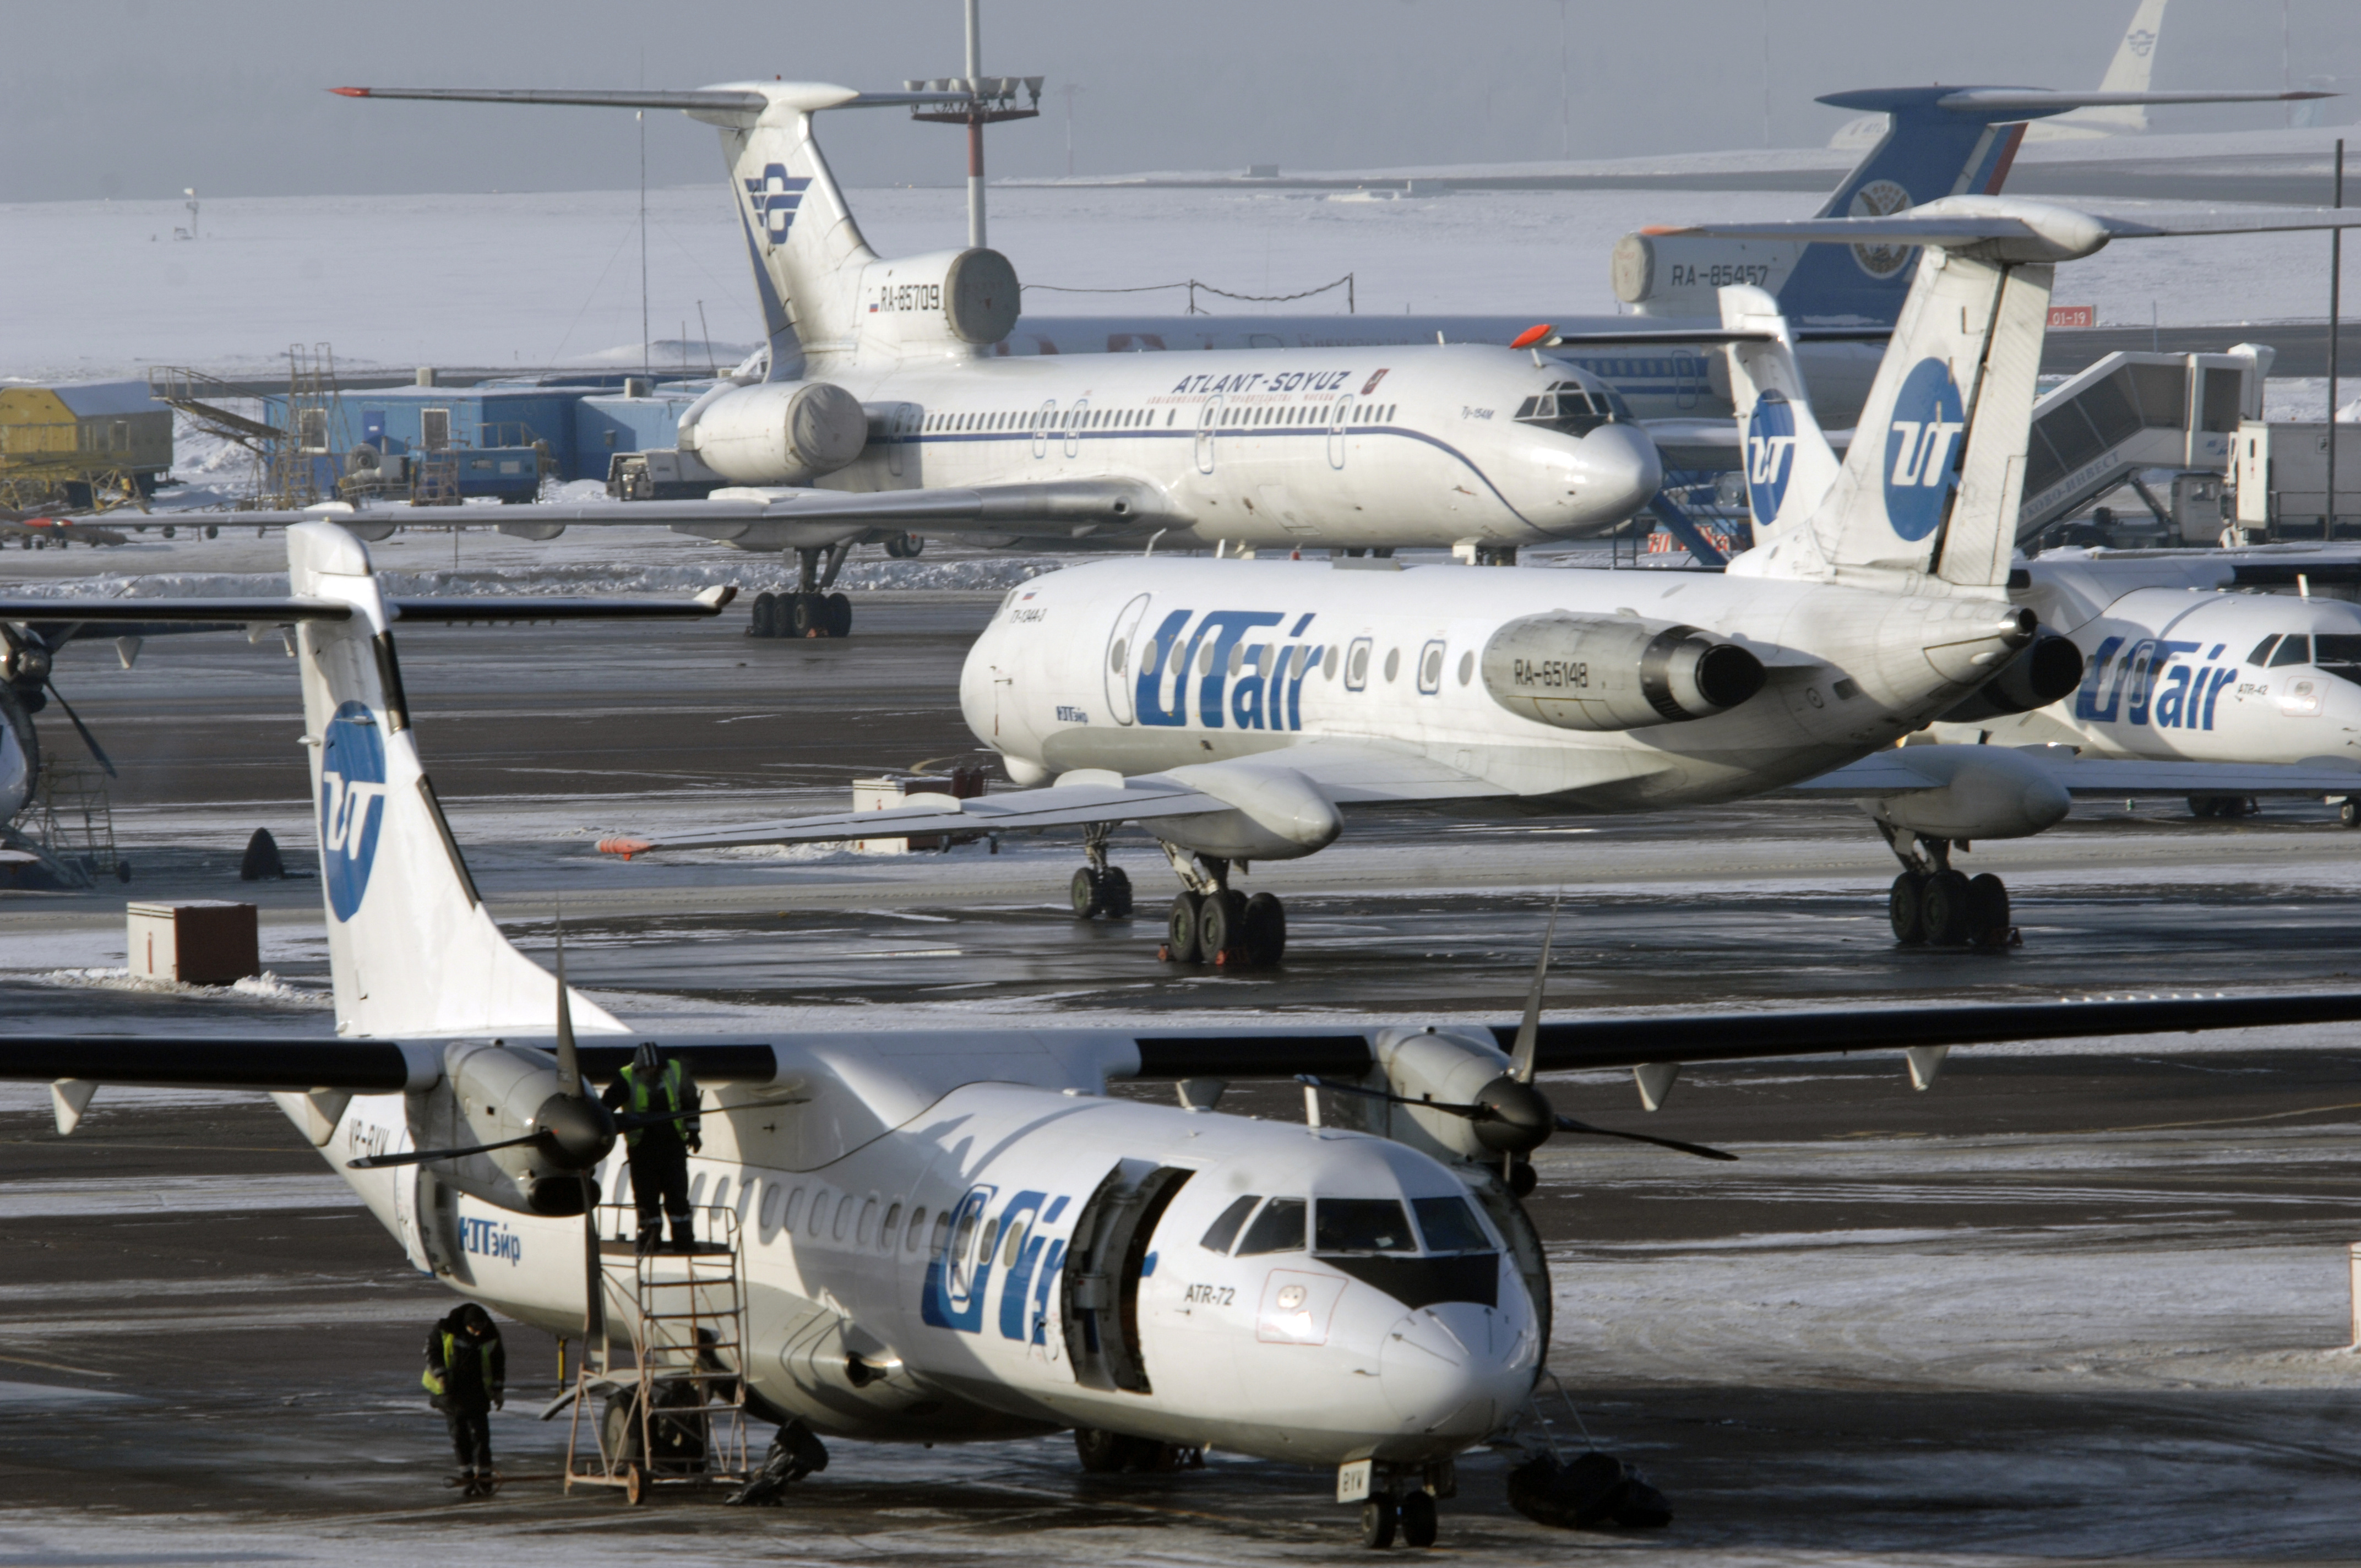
{"x": 265, "y": 987}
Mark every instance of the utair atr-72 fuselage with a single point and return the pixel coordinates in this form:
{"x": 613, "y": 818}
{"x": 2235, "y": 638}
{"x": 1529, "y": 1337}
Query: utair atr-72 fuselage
{"x": 882, "y": 407}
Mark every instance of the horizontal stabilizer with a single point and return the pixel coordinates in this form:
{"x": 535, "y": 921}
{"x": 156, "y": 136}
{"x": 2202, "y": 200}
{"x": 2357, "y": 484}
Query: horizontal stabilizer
{"x": 749, "y": 101}
{"x": 286, "y": 612}
{"x": 2024, "y": 231}
{"x": 1993, "y": 103}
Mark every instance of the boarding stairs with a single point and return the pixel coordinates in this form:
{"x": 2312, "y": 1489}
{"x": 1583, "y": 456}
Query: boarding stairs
{"x": 676, "y": 1414}
{"x": 2130, "y": 414}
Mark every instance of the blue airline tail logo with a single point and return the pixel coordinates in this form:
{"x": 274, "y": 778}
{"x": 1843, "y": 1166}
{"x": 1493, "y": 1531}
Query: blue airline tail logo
{"x": 1921, "y": 440}
{"x": 773, "y": 200}
{"x": 1770, "y": 455}
{"x": 352, "y": 805}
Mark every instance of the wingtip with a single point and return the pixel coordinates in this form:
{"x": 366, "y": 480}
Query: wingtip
{"x": 350, "y": 92}
{"x": 626, "y": 848}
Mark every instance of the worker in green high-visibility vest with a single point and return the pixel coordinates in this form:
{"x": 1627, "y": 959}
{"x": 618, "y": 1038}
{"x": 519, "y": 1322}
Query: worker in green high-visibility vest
{"x": 657, "y": 1084}
{"x": 466, "y": 1377}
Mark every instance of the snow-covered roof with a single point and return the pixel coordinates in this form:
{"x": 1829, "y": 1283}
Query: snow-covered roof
{"x": 95, "y": 400}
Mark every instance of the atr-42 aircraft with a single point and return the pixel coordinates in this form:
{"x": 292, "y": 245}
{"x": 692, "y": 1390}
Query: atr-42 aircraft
{"x": 1234, "y": 706}
{"x": 884, "y": 410}
{"x": 958, "y": 1234}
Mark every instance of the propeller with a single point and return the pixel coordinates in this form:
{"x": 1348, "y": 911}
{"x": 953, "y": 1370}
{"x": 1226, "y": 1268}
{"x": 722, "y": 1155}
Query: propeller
{"x": 29, "y": 661}
{"x": 1511, "y": 1116}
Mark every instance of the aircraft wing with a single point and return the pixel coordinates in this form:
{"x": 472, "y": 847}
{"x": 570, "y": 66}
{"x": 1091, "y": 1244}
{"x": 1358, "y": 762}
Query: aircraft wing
{"x": 1348, "y": 772}
{"x": 1897, "y": 770}
{"x": 315, "y": 1066}
{"x": 1066, "y": 509}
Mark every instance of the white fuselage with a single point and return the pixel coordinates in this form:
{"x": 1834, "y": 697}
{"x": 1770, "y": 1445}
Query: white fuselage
{"x": 905, "y": 1240}
{"x": 1282, "y": 654}
{"x": 1264, "y": 449}
{"x": 2190, "y": 673}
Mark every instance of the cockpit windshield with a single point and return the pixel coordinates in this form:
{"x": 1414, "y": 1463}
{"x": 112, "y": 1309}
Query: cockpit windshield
{"x": 2337, "y": 654}
{"x": 1572, "y": 409}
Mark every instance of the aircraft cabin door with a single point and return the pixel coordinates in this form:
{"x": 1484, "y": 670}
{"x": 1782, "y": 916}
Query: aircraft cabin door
{"x": 1075, "y": 412}
{"x": 1105, "y": 1263}
{"x": 901, "y": 427}
{"x": 1044, "y": 418}
{"x": 1209, "y": 416}
{"x": 1338, "y": 417}
{"x": 1121, "y": 652}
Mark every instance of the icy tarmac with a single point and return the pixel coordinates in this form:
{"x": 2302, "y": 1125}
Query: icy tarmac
{"x": 2080, "y": 1301}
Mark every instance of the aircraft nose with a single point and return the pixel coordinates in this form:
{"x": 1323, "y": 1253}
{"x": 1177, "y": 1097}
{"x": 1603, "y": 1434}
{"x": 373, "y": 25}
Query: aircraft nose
{"x": 1455, "y": 1369}
{"x": 1621, "y": 471}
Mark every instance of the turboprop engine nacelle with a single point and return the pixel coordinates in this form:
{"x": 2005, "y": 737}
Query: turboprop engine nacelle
{"x": 490, "y": 1093}
{"x": 1599, "y": 672}
{"x": 1975, "y": 792}
{"x": 780, "y": 433}
{"x": 934, "y": 301}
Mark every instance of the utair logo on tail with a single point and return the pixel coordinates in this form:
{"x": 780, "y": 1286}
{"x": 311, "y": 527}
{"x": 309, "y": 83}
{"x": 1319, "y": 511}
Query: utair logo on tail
{"x": 352, "y": 803}
{"x": 1927, "y": 422}
{"x": 1769, "y": 455}
{"x": 773, "y": 199}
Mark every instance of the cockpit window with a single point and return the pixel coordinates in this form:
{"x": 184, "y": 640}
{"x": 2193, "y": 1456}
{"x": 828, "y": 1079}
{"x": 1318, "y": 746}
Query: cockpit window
{"x": 1279, "y": 1228}
{"x": 2294, "y": 649}
{"x": 1449, "y": 1226}
{"x": 1225, "y": 1229}
{"x": 2338, "y": 654}
{"x": 2262, "y": 654}
{"x": 1572, "y": 409}
{"x": 1362, "y": 1224}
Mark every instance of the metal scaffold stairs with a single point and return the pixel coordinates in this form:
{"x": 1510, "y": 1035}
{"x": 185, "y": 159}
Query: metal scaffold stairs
{"x": 677, "y": 1412}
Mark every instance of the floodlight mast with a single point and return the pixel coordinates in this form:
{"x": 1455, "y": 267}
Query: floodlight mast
{"x": 988, "y": 99}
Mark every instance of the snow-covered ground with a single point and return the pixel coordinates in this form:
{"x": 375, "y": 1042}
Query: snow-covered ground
{"x": 552, "y": 279}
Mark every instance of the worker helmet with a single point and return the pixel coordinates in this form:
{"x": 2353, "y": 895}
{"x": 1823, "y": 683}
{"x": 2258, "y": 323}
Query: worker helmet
{"x": 649, "y": 1057}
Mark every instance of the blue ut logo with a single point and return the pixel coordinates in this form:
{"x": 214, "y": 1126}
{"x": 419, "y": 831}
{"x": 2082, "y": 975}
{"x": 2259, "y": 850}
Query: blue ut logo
{"x": 1770, "y": 455}
{"x": 1920, "y": 443}
{"x": 773, "y": 199}
{"x": 352, "y": 805}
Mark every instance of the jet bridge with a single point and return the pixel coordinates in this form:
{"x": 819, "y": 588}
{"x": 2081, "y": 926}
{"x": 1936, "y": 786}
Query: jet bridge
{"x": 2131, "y": 413}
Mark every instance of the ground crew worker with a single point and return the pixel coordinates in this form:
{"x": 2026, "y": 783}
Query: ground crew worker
{"x": 466, "y": 1378}
{"x": 658, "y": 1084}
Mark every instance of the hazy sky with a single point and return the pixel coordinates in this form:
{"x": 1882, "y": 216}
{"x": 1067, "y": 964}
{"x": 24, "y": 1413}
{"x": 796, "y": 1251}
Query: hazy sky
{"x": 138, "y": 98}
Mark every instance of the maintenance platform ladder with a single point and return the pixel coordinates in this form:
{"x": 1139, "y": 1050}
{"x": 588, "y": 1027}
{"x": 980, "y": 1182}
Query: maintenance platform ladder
{"x": 73, "y": 820}
{"x": 677, "y": 1413}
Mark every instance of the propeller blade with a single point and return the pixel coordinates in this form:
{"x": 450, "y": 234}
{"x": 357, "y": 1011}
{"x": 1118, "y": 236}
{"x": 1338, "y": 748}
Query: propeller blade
{"x": 1568, "y": 1125}
{"x": 570, "y": 1063}
{"x": 631, "y": 1122}
{"x": 422, "y": 1156}
{"x": 96, "y": 751}
{"x": 1520, "y": 1060}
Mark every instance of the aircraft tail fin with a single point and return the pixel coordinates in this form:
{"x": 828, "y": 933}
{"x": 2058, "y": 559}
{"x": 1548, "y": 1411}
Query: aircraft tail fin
{"x": 1929, "y": 487}
{"x": 1789, "y": 463}
{"x": 2129, "y": 71}
{"x": 411, "y": 947}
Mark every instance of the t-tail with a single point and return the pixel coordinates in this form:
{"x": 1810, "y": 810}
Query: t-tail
{"x": 1789, "y": 463}
{"x": 411, "y": 949}
{"x": 827, "y": 297}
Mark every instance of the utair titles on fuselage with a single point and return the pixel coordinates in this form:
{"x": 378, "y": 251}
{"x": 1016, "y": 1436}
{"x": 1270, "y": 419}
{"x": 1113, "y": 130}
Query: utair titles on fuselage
{"x": 882, "y": 406}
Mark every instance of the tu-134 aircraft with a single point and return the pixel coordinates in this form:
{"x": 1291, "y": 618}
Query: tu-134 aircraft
{"x": 1237, "y": 707}
{"x": 957, "y": 1233}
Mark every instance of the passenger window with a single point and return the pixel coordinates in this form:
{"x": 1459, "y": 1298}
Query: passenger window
{"x": 1362, "y": 1224}
{"x": 2262, "y": 654}
{"x": 2295, "y": 650}
{"x": 918, "y": 1229}
{"x": 1279, "y": 1228}
{"x": 1012, "y": 1245}
{"x": 1225, "y": 1229}
{"x": 1449, "y": 1226}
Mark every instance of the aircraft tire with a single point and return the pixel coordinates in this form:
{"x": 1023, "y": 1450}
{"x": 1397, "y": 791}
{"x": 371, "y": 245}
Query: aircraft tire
{"x": 1907, "y": 906}
{"x": 1262, "y": 934}
{"x": 803, "y": 612}
{"x": 1948, "y": 909}
{"x": 2348, "y": 811}
{"x": 1987, "y": 905}
{"x": 1180, "y": 928}
{"x": 1221, "y": 929}
{"x": 1418, "y": 1524}
{"x": 1378, "y": 1523}
{"x": 1105, "y": 1453}
{"x": 766, "y": 616}
{"x": 1114, "y": 892}
{"x": 838, "y": 620}
{"x": 1088, "y": 890}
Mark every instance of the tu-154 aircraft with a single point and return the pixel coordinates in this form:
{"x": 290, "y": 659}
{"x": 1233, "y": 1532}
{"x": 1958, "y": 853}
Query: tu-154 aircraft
{"x": 1237, "y": 707}
{"x": 956, "y": 1233}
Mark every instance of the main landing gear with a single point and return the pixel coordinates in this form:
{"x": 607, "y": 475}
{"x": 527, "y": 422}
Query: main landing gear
{"x": 1210, "y": 923}
{"x": 1933, "y": 905}
{"x": 811, "y": 610}
{"x": 1099, "y": 888}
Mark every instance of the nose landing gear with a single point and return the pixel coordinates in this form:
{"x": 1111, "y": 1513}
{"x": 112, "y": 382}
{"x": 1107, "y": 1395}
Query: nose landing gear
{"x": 1099, "y": 888}
{"x": 1933, "y": 905}
{"x": 1210, "y": 923}
{"x": 1404, "y": 1509}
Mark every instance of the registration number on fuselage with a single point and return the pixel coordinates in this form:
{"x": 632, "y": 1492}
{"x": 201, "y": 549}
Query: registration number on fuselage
{"x": 1558, "y": 674}
{"x": 1210, "y": 1295}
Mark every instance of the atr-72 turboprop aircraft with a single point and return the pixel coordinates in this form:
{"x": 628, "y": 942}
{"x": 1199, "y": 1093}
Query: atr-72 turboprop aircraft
{"x": 884, "y": 409}
{"x": 1235, "y": 705}
{"x": 956, "y": 1233}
